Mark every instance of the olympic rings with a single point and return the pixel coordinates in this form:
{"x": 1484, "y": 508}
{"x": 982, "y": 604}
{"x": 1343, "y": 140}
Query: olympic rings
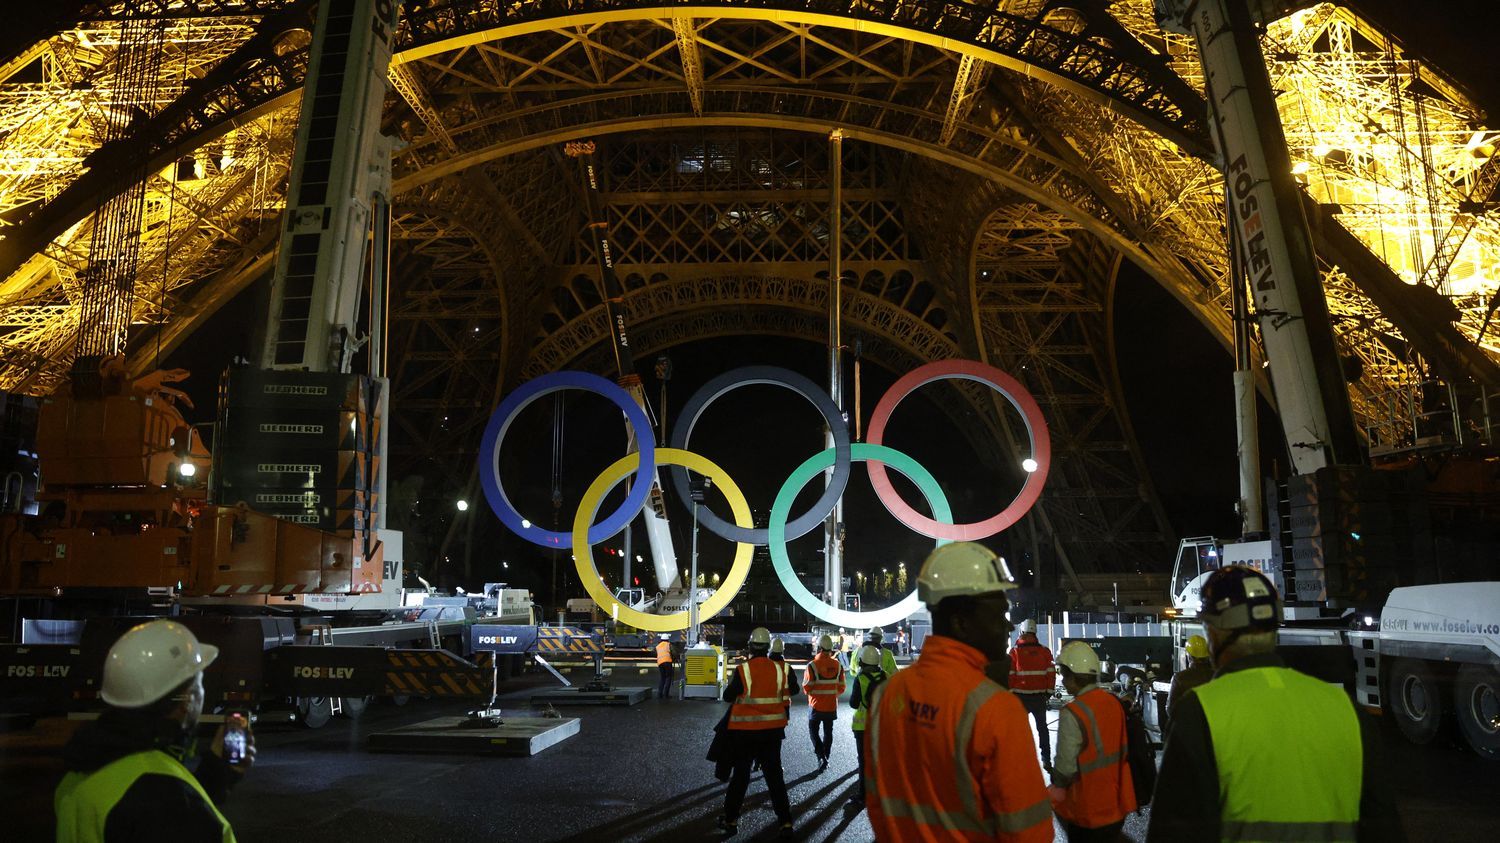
{"x": 1019, "y": 398}
{"x": 494, "y": 434}
{"x": 776, "y": 376}
{"x": 583, "y": 557}
{"x": 777, "y": 528}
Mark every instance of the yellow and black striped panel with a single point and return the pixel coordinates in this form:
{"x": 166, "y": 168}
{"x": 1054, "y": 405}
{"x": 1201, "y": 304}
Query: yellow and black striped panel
{"x": 434, "y": 673}
{"x": 562, "y": 640}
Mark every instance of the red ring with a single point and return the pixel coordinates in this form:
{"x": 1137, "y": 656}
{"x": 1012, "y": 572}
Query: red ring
{"x": 1018, "y": 397}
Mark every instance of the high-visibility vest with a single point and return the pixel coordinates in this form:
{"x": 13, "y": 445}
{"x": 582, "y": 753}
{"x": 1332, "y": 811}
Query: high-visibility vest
{"x": 1103, "y": 792}
{"x": 1031, "y": 668}
{"x": 1288, "y": 752}
{"x": 83, "y": 801}
{"x": 866, "y": 682}
{"x": 951, "y": 756}
{"x": 823, "y": 680}
{"x": 663, "y": 653}
{"x": 763, "y": 704}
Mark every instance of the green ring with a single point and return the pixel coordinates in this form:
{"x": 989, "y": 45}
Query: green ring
{"x": 776, "y": 532}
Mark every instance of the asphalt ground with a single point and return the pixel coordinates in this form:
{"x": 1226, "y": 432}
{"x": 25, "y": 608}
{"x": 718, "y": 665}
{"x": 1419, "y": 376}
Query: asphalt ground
{"x": 631, "y": 774}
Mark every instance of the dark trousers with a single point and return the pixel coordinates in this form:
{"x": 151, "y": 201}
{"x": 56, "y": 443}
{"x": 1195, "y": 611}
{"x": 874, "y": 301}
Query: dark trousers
{"x": 822, "y": 744}
{"x": 1036, "y": 706}
{"x": 664, "y": 688}
{"x": 749, "y": 749}
{"x": 1103, "y": 834}
{"x": 859, "y": 752}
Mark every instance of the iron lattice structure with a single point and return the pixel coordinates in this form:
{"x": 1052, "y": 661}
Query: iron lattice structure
{"x": 1004, "y": 160}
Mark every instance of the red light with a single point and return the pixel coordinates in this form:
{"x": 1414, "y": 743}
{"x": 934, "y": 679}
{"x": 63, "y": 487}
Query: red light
{"x": 637, "y": 580}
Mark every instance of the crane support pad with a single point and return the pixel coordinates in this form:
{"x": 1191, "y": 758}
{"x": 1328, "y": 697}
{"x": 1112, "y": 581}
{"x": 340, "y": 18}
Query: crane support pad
{"x": 516, "y": 737}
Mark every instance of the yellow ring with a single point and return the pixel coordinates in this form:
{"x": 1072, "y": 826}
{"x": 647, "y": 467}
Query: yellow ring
{"x": 583, "y": 552}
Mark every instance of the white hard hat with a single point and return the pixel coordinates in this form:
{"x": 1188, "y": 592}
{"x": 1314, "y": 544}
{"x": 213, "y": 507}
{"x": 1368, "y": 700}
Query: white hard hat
{"x": 152, "y": 660}
{"x": 777, "y": 645}
{"x": 869, "y": 655}
{"x": 962, "y": 568}
{"x": 1079, "y": 657}
{"x": 761, "y": 636}
{"x": 1028, "y": 627}
{"x": 666, "y": 637}
{"x": 876, "y": 634}
{"x": 825, "y": 642}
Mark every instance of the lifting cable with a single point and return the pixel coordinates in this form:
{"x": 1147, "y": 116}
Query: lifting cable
{"x": 558, "y": 438}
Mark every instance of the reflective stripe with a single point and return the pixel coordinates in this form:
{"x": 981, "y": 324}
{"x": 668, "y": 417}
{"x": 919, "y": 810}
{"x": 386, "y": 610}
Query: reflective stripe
{"x": 1276, "y": 832}
{"x": 1099, "y": 760}
{"x": 1011, "y": 823}
{"x": 760, "y": 700}
{"x": 963, "y": 780}
{"x": 1030, "y": 672}
{"x": 756, "y": 718}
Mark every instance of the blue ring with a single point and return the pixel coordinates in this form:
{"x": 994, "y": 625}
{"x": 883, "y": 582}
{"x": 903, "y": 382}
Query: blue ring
{"x": 787, "y": 379}
{"x": 514, "y": 403}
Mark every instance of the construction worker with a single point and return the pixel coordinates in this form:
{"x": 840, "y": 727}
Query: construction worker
{"x": 844, "y": 644}
{"x": 757, "y": 725}
{"x": 1092, "y": 790}
{"x": 126, "y": 776}
{"x": 876, "y": 636}
{"x": 1200, "y": 669}
{"x": 1033, "y": 680}
{"x": 1263, "y": 752}
{"x": 823, "y": 680}
{"x": 664, "y": 667}
{"x": 951, "y": 751}
{"x": 870, "y": 677}
{"x": 791, "y": 687}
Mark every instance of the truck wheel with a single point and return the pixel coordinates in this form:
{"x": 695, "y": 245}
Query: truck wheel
{"x": 1476, "y": 700}
{"x": 354, "y": 707}
{"x": 1415, "y": 700}
{"x": 314, "y": 712}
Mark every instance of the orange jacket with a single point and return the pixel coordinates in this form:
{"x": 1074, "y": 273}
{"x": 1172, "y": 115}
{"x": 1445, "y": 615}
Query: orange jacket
{"x": 1103, "y": 791}
{"x": 951, "y": 755}
{"x": 823, "y": 680}
{"x": 763, "y": 704}
{"x": 663, "y": 653}
{"x": 1031, "y": 667}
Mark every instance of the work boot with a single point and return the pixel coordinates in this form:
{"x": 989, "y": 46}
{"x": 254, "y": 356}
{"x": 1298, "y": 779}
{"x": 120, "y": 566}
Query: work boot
{"x": 728, "y": 826}
{"x": 787, "y": 832}
{"x": 822, "y": 763}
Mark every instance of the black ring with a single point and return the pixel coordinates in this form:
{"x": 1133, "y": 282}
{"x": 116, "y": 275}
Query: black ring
{"x": 776, "y": 376}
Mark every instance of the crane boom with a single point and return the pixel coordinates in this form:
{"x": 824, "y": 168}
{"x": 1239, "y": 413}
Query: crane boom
{"x": 658, "y": 531}
{"x": 1275, "y": 243}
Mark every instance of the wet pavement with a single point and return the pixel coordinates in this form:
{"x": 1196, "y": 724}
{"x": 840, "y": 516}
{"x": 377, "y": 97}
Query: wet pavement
{"x": 631, "y": 774}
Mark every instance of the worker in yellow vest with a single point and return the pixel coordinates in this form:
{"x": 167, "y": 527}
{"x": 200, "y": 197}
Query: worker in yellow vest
{"x": 126, "y": 776}
{"x": 1261, "y": 751}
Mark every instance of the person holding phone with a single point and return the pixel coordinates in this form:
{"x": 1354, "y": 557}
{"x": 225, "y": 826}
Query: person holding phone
{"x": 127, "y": 777}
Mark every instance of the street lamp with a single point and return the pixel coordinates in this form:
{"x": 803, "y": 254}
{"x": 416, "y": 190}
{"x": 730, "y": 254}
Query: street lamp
{"x": 697, "y": 490}
{"x": 463, "y": 505}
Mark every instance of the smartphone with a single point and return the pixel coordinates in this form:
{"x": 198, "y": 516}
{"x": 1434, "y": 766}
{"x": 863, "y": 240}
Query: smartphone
{"x": 234, "y": 739}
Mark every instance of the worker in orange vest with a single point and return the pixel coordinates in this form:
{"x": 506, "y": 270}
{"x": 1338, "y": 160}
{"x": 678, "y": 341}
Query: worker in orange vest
{"x": 950, "y": 751}
{"x": 1092, "y": 789}
{"x": 664, "y": 666}
{"x": 757, "y": 724}
{"x": 823, "y": 680}
{"x": 1033, "y": 679}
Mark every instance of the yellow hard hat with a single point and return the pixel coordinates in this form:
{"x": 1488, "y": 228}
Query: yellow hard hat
{"x": 1197, "y": 647}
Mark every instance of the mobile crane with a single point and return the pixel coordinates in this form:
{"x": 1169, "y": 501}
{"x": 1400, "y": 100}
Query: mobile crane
{"x": 1388, "y": 570}
{"x": 274, "y": 541}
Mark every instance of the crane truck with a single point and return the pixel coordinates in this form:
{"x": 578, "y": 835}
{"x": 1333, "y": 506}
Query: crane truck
{"x": 1387, "y": 564}
{"x": 271, "y": 544}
